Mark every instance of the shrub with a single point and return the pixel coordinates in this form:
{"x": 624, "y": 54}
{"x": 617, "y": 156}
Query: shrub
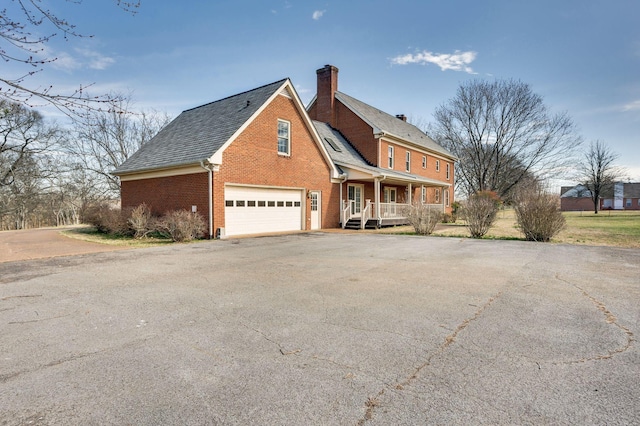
{"x": 480, "y": 212}
{"x": 456, "y": 207}
{"x": 423, "y": 218}
{"x": 448, "y": 218}
{"x": 181, "y": 225}
{"x": 141, "y": 223}
{"x": 106, "y": 219}
{"x": 538, "y": 215}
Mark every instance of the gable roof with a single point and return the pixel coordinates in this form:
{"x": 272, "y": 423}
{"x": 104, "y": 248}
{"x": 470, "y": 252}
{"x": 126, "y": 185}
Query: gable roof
{"x": 344, "y": 155}
{"x": 194, "y": 136}
{"x": 381, "y": 122}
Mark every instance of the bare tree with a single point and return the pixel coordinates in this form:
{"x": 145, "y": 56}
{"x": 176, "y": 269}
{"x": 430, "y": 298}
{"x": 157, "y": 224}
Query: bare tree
{"x": 23, "y": 134}
{"x": 102, "y": 140}
{"x": 26, "y": 26}
{"x": 598, "y": 171}
{"x": 502, "y": 134}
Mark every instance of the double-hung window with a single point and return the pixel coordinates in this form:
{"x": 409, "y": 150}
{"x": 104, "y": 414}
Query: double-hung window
{"x": 437, "y": 165}
{"x": 408, "y": 161}
{"x": 284, "y": 137}
{"x": 424, "y": 161}
{"x": 437, "y": 195}
{"x": 424, "y": 195}
{"x": 390, "y": 155}
{"x": 448, "y": 171}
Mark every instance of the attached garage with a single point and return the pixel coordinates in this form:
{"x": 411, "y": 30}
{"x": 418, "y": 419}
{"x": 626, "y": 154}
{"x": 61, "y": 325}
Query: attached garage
{"x": 254, "y": 210}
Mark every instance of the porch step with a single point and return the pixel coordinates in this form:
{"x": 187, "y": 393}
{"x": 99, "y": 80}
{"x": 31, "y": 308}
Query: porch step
{"x": 357, "y": 223}
{"x": 353, "y": 224}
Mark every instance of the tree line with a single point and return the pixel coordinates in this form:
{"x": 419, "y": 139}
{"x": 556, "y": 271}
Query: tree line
{"x": 50, "y": 175}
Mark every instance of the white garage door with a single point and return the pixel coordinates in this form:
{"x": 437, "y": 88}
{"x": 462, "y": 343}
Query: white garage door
{"x": 251, "y": 210}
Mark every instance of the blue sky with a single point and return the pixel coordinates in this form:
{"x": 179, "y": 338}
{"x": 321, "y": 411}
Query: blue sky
{"x": 582, "y": 56}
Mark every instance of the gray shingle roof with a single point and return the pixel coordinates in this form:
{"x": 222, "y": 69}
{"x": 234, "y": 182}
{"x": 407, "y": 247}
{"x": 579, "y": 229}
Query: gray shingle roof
{"x": 347, "y": 155}
{"x": 197, "y": 133}
{"x": 390, "y": 124}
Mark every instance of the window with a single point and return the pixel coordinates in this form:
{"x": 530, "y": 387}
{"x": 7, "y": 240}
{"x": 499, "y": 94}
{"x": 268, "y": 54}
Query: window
{"x": 424, "y": 161}
{"x": 446, "y": 197}
{"x": 437, "y": 165}
{"x": 228, "y": 203}
{"x": 448, "y": 171}
{"x": 284, "y": 138}
{"x": 251, "y": 203}
{"x": 389, "y": 195}
{"x": 437, "y": 195}
{"x": 262, "y": 203}
{"x": 408, "y": 161}
{"x": 239, "y": 203}
{"x": 628, "y": 202}
{"x": 424, "y": 194}
{"x": 390, "y": 157}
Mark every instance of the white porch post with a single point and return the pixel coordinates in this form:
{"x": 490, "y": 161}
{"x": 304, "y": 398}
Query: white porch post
{"x": 409, "y": 188}
{"x": 377, "y": 196}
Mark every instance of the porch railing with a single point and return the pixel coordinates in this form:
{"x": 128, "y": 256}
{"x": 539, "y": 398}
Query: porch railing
{"x": 387, "y": 211}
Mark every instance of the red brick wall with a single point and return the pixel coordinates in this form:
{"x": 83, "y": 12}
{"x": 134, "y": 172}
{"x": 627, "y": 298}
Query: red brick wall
{"x": 359, "y": 133}
{"x": 168, "y": 193}
{"x": 253, "y": 159}
{"x": 568, "y": 204}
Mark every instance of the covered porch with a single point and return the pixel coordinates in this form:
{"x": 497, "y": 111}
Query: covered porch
{"x": 385, "y": 201}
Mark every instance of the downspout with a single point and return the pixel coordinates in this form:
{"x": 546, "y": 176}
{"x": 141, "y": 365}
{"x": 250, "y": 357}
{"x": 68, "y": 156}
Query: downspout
{"x": 209, "y": 168}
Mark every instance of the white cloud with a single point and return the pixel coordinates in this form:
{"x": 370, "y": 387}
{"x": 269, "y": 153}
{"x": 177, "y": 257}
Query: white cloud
{"x": 318, "y": 14}
{"x": 632, "y": 106}
{"x": 81, "y": 58}
{"x": 457, "y": 61}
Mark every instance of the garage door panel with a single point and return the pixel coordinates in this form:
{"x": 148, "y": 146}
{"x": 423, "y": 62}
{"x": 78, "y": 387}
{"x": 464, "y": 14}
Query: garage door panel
{"x": 251, "y": 210}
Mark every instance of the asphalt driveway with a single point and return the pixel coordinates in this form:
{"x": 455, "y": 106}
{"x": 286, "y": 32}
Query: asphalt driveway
{"x": 323, "y": 329}
{"x": 41, "y": 243}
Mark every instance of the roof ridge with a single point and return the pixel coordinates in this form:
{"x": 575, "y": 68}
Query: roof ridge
{"x": 238, "y": 94}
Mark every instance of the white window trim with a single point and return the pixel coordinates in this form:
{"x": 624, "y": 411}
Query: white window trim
{"x": 448, "y": 171}
{"x": 437, "y": 197}
{"x": 423, "y": 194}
{"x": 445, "y": 192}
{"x": 288, "y": 153}
{"x": 390, "y": 152}
{"x": 437, "y": 165}
{"x": 407, "y": 161}
{"x": 424, "y": 161}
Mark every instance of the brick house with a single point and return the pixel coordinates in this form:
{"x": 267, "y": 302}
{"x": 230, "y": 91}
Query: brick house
{"x": 617, "y": 196}
{"x": 388, "y": 162}
{"x": 256, "y": 162}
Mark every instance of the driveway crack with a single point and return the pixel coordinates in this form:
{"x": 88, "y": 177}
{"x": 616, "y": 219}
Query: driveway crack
{"x": 609, "y": 318}
{"x": 374, "y": 401}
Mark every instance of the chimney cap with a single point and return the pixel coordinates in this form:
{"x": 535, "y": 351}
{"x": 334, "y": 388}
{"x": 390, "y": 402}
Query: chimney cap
{"x": 327, "y": 68}
{"x": 401, "y": 117}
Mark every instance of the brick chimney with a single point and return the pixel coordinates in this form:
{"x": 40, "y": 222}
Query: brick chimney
{"x": 401, "y": 117}
{"x": 327, "y": 86}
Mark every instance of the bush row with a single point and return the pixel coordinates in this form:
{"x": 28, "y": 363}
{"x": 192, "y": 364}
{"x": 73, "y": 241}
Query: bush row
{"x": 178, "y": 225}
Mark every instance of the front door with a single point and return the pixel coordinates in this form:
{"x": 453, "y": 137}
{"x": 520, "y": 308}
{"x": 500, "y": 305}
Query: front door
{"x": 315, "y": 209}
{"x": 354, "y": 193}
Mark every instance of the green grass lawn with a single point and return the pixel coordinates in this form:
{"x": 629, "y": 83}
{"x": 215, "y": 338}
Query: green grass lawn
{"x": 608, "y": 228}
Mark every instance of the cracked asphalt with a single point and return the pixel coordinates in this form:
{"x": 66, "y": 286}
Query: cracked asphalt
{"x": 345, "y": 329}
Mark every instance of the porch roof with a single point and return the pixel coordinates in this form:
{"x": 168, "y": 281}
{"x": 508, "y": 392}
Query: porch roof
{"x": 347, "y": 158}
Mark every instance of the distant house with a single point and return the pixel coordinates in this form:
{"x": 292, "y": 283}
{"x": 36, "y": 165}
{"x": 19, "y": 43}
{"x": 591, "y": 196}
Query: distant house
{"x": 617, "y": 196}
{"x": 260, "y": 162}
